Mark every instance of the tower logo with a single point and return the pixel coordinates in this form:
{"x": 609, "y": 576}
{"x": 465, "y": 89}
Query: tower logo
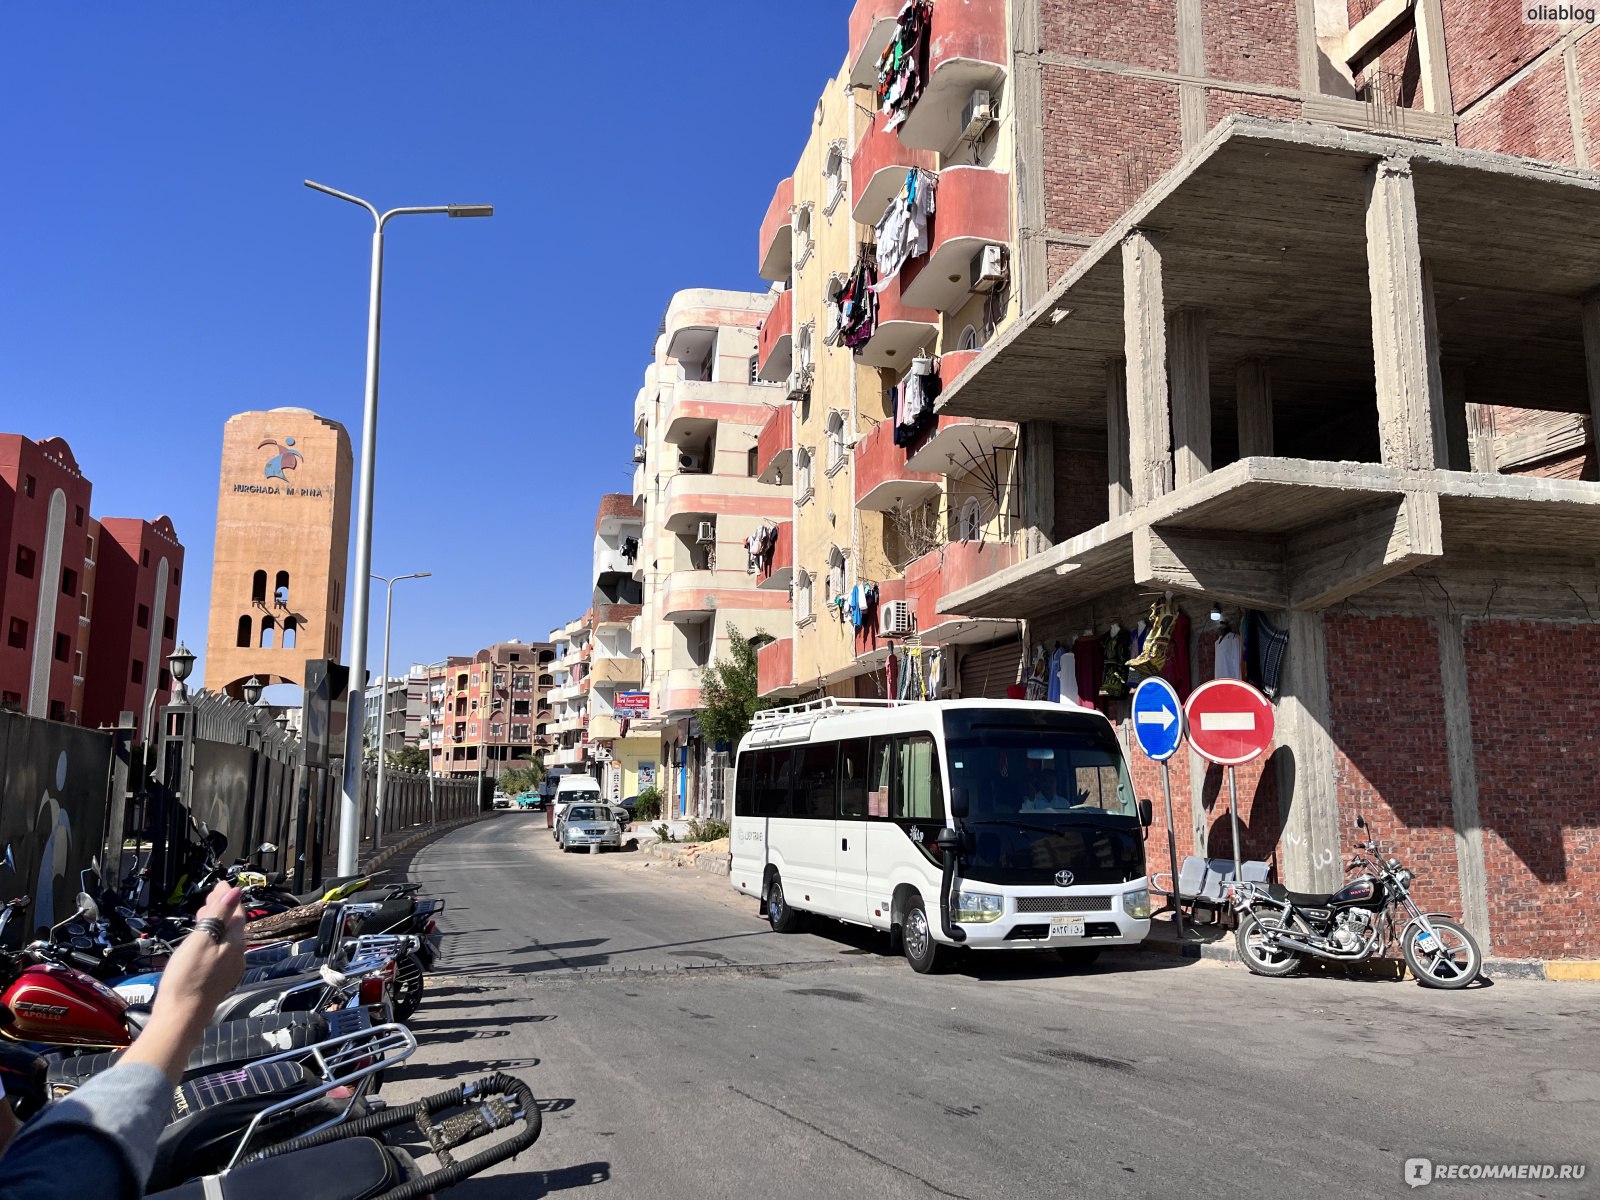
{"x": 287, "y": 458}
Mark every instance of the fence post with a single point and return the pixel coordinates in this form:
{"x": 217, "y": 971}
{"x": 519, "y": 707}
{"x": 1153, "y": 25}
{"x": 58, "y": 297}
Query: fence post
{"x": 117, "y": 801}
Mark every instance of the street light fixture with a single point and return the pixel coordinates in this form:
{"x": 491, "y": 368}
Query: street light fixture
{"x": 383, "y": 700}
{"x": 252, "y": 691}
{"x": 350, "y": 798}
{"x": 180, "y": 662}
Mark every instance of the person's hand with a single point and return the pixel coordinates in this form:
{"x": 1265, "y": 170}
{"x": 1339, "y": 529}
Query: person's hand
{"x": 203, "y": 971}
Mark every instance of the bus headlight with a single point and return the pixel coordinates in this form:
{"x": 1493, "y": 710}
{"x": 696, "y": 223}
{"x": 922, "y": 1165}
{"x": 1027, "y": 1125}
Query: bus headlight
{"x": 1137, "y": 904}
{"x": 979, "y": 906}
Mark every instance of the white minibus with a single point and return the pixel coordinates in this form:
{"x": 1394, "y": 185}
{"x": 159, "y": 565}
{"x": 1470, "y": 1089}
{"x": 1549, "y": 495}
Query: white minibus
{"x": 983, "y": 824}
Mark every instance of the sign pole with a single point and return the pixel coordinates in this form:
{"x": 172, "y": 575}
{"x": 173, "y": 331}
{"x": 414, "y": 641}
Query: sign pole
{"x": 1233, "y": 821}
{"x": 1172, "y": 841}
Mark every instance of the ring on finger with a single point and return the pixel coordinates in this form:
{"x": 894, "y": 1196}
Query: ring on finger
{"x": 213, "y": 927}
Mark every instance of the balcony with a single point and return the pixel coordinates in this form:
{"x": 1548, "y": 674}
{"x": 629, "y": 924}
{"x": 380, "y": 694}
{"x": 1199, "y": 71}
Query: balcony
{"x": 902, "y": 330}
{"x": 956, "y": 565}
{"x": 775, "y": 346}
{"x": 609, "y": 562}
{"x": 609, "y": 672}
{"x": 777, "y": 234}
{"x": 697, "y": 406}
{"x": 696, "y": 595}
{"x": 618, "y": 616}
{"x": 775, "y": 669}
{"x": 681, "y": 693}
{"x": 973, "y": 211}
{"x": 691, "y": 499}
{"x": 642, "y": 404}
{"x": 776, "y": 578}
{"x": 604, "y": 728}
{"x": 570, "y": 756}
{"x": 966, "y": 50}
{"x": 872, "y": 24}
{"x": 883, "y": 482}
{"x": 959, "y": 445}
{"x": 878, "y": 170}
{"x": 775, "y": 446}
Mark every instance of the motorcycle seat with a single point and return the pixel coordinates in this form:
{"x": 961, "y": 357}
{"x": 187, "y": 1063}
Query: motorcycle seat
{"x": 293, "y": 964}
{"x": 356, "y": 1168}
{"x": 1300, "y": 899}
{"x": 210, "y": 1113}
{"x": 222, "y": 1046}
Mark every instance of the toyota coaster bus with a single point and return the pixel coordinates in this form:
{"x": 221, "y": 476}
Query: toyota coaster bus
{"x": 984, "y": 824}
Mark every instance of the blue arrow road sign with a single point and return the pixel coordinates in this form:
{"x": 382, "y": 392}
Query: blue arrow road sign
{"x": 1157, "y": 719}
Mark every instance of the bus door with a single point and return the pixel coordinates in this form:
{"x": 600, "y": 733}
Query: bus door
{"x": 851, "y": 827}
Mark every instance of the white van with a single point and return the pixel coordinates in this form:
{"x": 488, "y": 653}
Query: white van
{"x": 573, "y": 789}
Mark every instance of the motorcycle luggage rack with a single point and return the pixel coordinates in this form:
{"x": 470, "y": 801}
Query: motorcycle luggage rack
{"x": 344, "y": 1060}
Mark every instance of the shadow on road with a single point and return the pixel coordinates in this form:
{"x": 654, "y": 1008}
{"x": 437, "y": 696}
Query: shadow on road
{"x": 523, "y": 1185}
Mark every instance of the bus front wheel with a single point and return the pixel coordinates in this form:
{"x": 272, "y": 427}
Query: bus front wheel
{"x": 916, "y": 937}
{"x": 780, "y": 916}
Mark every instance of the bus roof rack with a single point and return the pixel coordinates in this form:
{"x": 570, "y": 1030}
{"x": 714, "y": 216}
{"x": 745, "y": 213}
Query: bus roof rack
{"x": 827, "y": 706}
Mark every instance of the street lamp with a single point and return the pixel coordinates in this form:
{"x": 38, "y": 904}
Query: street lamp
{"x": 350, "y": 798}
{"x": 180, "y": 662}
{"x": 383, "y": 701}
{"x": 252, "y": 691}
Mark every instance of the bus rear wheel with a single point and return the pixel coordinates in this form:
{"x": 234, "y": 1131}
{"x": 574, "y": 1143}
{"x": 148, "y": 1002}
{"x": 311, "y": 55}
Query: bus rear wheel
{"x": 780, "y": 916}
{"x": 916, "y": 937}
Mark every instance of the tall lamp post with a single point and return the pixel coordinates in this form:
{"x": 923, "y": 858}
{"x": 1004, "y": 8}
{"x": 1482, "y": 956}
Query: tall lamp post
{"x": 350, "y": 796}
{"x": 383, "y": 700}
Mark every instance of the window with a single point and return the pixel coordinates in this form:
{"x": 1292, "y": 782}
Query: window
{"x": 833, "y": 175}
{"x": 291, "y": 632}
{"x": 69, "y": 582}
{"x": 835, "y": 441}
{"x": 244, "y": 631}
{"x": 802, "y": 597}
{"x": 802, "y": 235}
{"x": 63, "y": 648}
{"x": 280, "y": 589}
{"x": 258, "y": 588}
{"x": 77, "y": 664}
{"x": 853, "y": 761}
{"x": 750, "y": 462}
{"x": 815, "y": 777}
{"x": 77, "y": 515}
{"x": 29, "y": 483}
{"x": 268, "y": 625}
{"x": 143, "y": 617}
{"x": 88, "y": 543}
{"x": 138, "y": 671}
{"x": 177, "y": 576}
{"x": 519, "y": 708}
{"x": 802, "y": 475}
{"x": 969, "y": 338}
{"x": 58, "y": 711}
{"x": 164, "y": 679}
{"x": 917, "y": 794}
{"x": 17, "y": 634}
{"x": 755, "y": 368}
{"x": 25, "y": 561}
{"x": 969, "y": 521}
{"x": 772, "y": 783}
{"x": 169, "y": 628}
{"x": 837, "y": 581}
{"x": 144, "y": 558}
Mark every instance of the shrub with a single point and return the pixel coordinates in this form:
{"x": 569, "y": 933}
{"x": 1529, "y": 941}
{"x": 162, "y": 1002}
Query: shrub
{"x": 648, "y": 806}
{"x": 706, "y": 831}
{"x": 664, "y": 833}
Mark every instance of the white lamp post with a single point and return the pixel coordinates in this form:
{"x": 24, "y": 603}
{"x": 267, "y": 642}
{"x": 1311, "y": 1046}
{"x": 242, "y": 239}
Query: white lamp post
{"x": 383, "y": 700}
{"x": 350, "y": 795}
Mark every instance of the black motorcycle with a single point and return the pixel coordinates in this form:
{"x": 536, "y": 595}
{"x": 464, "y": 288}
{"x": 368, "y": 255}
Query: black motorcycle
{"x": 1278, "y": 928}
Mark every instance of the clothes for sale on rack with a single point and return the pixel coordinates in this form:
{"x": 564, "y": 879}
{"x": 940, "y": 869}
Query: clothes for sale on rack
{"x": 914, "y": 672}
{"x": 1116, "y": 649}
{"x": 1088, "y": 660}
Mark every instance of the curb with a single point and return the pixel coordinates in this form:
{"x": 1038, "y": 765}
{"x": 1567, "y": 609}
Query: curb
{"x": 371, "y": 864}
{"x": 676, "y": 854}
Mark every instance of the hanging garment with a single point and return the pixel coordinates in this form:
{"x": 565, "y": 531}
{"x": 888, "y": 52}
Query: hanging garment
{"x": 915, "y": 412}
{"x": 630, "y": 549}
{"x": 902, "y": 232}
{"x": 1271, "y": 644}
{"x": 858, "y": 305}
{"x": 857, "y": 604}
{"x": 1176, "y": 669}
{"x": 1114, "y": 676}
{"x": 891, "y": 676}
{"x": 1228, "y": 660}
{"x": 1053, "y": 693}
{"x": 935, "y": 674}
{"x": 1088, "y": 661}
{"x": 901, "y": 65}
{"x": 1038, "y": 675}
{"x": 1155, "y": 638}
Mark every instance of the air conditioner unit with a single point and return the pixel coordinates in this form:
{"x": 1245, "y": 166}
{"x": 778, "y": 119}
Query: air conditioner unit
{"x": 638, "y": 453}
{"x": 693, "y": 463}
{"x": 706, "y": 534}
{"x": 799, "y": 382}
{"x": 977, "y": 116}
{"x": 896, "y": 618}
{"x": 990, "y": 268}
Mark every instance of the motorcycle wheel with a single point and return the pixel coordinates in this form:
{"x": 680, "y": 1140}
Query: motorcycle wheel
{"x": 1260, "y": 958}
{"x": 1453, "y": 965}
{"x": 408, "y": 989}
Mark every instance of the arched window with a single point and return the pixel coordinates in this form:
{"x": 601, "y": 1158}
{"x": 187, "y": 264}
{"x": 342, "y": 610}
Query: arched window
{"x": 835, "y": 440}
{"x": 802, "y": 474}
{"x": 290, "y": 628}
{"x": 969, "y": 521}
{"x": 836, "y": 574}
{"x": 545, "y": 681}
{"x": 969, "y": 338}
{"x": 752, "y": 461}
{"x": 267, "y": 626}
{"x": 244, "y": 630}
{"x": 280, "y": 589}
{"x": 258, "y": 588}
{"x": 802, "y": 596}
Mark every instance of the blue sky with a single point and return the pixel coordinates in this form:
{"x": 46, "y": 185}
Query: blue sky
{"x": 164, "y": 267}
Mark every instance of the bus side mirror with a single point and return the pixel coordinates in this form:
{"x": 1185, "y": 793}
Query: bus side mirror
{"x": 1147, "y": 813}
{"x": 959, "y": 806}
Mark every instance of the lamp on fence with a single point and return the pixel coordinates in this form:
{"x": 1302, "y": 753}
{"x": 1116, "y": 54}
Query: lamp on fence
{"x": 180, "y": 662}
{"x": 254, "y": 721}
{"x": 252, "y": 691}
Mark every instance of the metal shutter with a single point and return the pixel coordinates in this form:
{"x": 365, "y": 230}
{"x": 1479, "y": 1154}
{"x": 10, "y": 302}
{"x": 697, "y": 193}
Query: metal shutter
{"x": 988, "y": 671}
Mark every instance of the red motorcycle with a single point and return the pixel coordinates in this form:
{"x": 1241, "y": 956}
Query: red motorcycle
{"x": 59, "y": 1005}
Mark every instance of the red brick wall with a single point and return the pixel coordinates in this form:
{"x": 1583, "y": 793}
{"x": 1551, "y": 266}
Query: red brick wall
{"x": 1391, "y": 762}
{"x": 1059, "y": 258}
{"x": 1222, "y": 103}
{"x": 1081, "y": 502}
{"x": 1531, "y": 118}
{"x": 1141, "y": 33}
{"x": 1537, "y": 756}
{"x": 1486, "y": 43}
{"x": 1589, "y": 89}
{"x": 1252, "y": 41}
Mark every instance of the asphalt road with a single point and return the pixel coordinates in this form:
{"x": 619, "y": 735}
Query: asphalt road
{"x": 682, "y": 1050}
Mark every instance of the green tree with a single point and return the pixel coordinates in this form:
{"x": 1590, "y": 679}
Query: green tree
{"x": 409, "y": 758}
{"x": 728, "y": 694}
{"x": 516, "y": 780}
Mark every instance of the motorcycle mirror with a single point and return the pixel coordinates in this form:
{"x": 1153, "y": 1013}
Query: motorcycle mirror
{"x": 88, "y": 907}
{"x": 266, "y": 848}
{"x": 204, "y": 829}
{"x": 9, "y": 861}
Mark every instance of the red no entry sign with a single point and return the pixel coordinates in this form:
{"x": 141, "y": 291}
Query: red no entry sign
{"x": 1229, "y": 721}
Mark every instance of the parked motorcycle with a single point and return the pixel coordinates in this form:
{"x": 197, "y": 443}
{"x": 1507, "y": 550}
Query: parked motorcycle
{"x": 1278, "y": 929}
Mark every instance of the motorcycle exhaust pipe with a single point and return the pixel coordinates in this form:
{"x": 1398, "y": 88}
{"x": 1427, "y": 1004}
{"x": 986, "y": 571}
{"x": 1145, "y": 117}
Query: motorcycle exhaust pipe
{"x": 1282, "y": 942}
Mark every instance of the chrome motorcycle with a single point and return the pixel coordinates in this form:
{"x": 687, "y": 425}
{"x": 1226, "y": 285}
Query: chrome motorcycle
{"x": 1278, "y": 929}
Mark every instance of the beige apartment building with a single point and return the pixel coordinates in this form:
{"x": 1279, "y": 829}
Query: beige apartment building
{"x": 484, "y": 711}
{"x": 698, "y": 417}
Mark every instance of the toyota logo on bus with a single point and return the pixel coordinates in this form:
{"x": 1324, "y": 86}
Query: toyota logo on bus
{"x": 1063, "y": 878}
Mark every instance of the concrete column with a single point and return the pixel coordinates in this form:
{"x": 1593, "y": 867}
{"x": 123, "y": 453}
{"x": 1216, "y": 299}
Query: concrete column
{"x": 1145, "y": 336}
{"x": 1457, "y": 435}
{"x": 1404, "y": 333}
{"x": 1253, "y": 400}
{"x": 1591, "y": 353}
{"x": 1189, "y": 375}
{"x": 1038, "y": 485}
{"x": 1119, "y": 495}
{"x": 1313, "y": 842}
{"x": 1470, "y": 866}
{"x": 1480, "y": 438}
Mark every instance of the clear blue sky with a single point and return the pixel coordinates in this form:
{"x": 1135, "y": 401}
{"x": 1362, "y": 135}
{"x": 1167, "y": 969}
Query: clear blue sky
{"x": 162, "y": 266}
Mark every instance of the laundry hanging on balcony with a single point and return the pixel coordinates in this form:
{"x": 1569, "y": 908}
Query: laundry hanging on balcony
{"x": 858, "y": 303}
{"x": 913, "y": 409}
{"x": 630, "y": 549}
{"x": 759, "y": 547}
{"x": 902, "y": 67}
{"x": 902, "y": 231}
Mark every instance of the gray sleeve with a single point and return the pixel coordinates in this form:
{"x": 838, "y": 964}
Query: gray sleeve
{"x": 129, "y": 1104}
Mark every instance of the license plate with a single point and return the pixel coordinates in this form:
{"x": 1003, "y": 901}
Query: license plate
{"x": 1060, "y": 928}
{"x": 1427, "y": 942}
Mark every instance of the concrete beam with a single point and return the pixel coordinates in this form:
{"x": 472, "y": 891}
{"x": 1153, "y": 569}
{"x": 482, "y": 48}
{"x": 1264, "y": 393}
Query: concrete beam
{"x": 1252, "y": 382}
{"x": 1404, "y": 330}
{"x": 1470, "y": 865}
{"x": 1235, "y": 568}
{"x": 1333, "y": 562}
{"x": 1307, "y": 778}
{"x": 1374, "y": 27}
{"x": 1145, "y": 337}
{"x": 1457, "y": 435}
{"x": 1119, "y": 494}
{"x": 1189, "y": 377}
{"x": 1038, "y": 485}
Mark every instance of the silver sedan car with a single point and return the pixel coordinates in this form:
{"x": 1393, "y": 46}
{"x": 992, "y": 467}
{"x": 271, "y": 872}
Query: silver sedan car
{"x": 585, "y": 825}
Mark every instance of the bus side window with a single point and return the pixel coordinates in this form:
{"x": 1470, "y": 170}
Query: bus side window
{"x": 744, "y": 783}
{"x": 816, "y": 775}
{"x": 918, "y": 794}
{"x": 772, "y": 785}
{"x": 853, "y": 760}
{"x": 880, "y": 763}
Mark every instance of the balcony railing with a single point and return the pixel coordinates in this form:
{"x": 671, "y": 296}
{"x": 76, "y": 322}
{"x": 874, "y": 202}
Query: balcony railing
{"x": 775, "y": 668}
{"x": 774, "y": 352}
{"x": 777, "y": 231}
{"x": 699, "y": 405}
{"x": 775, "y": 446}
{"x": 878, "y": 170}
{"x": 966, "y": 50}
{"x": 613, "y": 671}
{"x": 775, "y": 575}
{"x": 872, "y": 24}
{"x": 691, "y": 499}
{"x": 945, "y": 570}
{"x": 972, "y": 212}
{"x": 883, "y": 481}
{"x": 902, "y": 330}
